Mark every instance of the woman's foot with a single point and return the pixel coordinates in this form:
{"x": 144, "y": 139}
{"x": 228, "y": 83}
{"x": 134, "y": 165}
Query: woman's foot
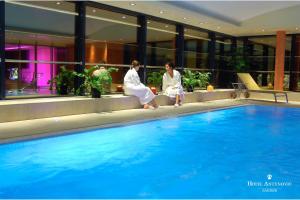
{"x": 146, "y": 106}
{"x": 154, "y": 104}
{"x": 176, "y": 105}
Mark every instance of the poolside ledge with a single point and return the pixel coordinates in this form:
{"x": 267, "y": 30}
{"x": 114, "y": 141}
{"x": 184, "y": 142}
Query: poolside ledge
{"x": 27, "y": 109}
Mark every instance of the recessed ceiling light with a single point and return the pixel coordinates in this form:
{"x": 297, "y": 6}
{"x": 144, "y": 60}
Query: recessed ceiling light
{"x": 166, "y": 26}
{"x": 94, "y": 10}
{"x": 263, "y": 30}
{"x": 132, "y": 4}
{"x": 184, "y": 18}
{"x": 161, "y": 12}
{"x": 184, "y": 30}
{"x": 297, "y": 28}
{"x": 123, "y": 17}
{"x": 201, "y": 22}
{"x": 218, "y": 27}
{"x": 148, "y": 22}
{"x": 58, "y": 3}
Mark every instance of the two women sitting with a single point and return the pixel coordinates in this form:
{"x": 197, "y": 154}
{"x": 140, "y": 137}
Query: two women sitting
{"x": 171, "y": 86}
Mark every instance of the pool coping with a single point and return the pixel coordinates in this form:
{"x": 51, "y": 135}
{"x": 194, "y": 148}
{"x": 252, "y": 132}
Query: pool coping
{"x": 148, "y": 118}
{"x": 79, "y": 130}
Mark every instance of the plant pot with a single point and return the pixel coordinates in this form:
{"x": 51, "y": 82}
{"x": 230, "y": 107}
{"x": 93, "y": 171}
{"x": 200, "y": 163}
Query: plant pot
{"x": 190, "y": 89}
{"x": 63, "y": 90}
{"x": 119, "y": 88}
{"x": 95, "y": 93}
{"x": 154, "y": 90}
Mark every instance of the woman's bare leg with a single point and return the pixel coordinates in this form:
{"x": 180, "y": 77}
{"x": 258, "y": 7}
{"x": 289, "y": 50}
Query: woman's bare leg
{"x": 177, "y": 99}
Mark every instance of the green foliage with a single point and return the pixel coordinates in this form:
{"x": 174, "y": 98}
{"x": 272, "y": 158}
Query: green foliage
{"x": 239, "y": 60}
{"x": 155, "y": 78}
{"x": 204, "y": 78}
{"x": 65, "y": 78}
{"x": 95, "y": 81}
{"x": 193, "y": 79}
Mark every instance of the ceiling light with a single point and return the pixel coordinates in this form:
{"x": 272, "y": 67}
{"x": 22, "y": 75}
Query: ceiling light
{"x": 263, "y": 30}
{"x": 218, "y": 27}
{"x": 201, "y": 22}
{"x": 297, "y": 28}
{"x": 94, "y": 10}
{"x": 161, "y": 12}
{"x": 166, "y": 26}
{"x": 184, "y": 18}
{"x": 148, "y": 22}
{"x": 58, "y": 3}
{"x": 123, "y": 17}
{"x": 184, "y": 30}
{"x": 132, "y": 4}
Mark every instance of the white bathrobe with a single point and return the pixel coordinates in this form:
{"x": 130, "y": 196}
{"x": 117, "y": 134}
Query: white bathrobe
{"x": 133, "y": 86}
{"x": 172, "y": 86}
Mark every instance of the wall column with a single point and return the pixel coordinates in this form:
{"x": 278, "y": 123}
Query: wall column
{"x": 79, "y": 50}
{"x": 212, "y": 57}
{"x": 2, "y": 49}
{"x": 179, "y": 45}
{"x": 279, "y": 60}
{"x": 142, "y": 46}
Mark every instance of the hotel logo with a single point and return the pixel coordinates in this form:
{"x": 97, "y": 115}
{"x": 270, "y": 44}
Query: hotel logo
{"x": 269, "y": 185}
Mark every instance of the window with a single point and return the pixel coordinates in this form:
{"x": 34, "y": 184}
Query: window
{"x": 196, "y": 49}
{"x": 110, "y": 40}
{"x": 160, "y": 43}
{"x": 39, "y": 38}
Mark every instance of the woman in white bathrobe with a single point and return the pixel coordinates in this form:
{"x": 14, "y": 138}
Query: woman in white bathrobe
{"x": 172, "y": 84}
{"x": 133, "y": 86}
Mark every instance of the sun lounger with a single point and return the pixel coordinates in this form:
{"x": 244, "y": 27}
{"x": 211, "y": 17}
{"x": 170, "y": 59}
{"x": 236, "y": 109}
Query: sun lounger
{"x": 250, "y": 85}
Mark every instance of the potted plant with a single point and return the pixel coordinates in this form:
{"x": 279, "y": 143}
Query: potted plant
{"x": 64, "y": 81}
{"x": 154, "y": 79}
{"x": 190, "y": 80}
{"x": 95, "y": 79}
{"x": 203, "y": 78}
{"x": 105, "y": 77}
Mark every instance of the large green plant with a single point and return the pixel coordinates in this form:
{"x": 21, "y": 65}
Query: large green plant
{"x": 204, "y": 78}
{"x": 106, "y": 79}
{"x": 64, "y": 81}
{"x": 155, "y": 78}
{"x": 95, "y": 81}
{"x": 192, "y": 79}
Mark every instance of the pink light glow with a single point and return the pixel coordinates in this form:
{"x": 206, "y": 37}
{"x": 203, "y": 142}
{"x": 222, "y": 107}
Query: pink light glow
{"x": 14, "y": 47}
{"x": 43, "y": 70}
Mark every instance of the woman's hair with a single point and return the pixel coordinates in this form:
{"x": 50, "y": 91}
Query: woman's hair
{"x": 135, "y": 63}
{"x": 171, "y": 65}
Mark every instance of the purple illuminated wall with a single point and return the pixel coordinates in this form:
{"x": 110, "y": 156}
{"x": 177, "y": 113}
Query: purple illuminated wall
{"x": 43, "y": 70}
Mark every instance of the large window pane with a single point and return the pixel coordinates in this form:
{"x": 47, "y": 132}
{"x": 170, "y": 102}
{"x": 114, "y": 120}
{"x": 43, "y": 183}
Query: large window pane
{"x": 39, "y": 38}
{"x": 195, "y": 49}
{"x": 160, "y": 43}
{"x": 110, "y": 40}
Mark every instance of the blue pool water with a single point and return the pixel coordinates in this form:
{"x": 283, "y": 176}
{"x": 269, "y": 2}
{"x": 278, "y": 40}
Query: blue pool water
{"x": 218, "y": 154}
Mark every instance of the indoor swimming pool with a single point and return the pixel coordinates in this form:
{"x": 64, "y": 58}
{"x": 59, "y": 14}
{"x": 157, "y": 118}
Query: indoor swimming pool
{"x": 249, "y": 151}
